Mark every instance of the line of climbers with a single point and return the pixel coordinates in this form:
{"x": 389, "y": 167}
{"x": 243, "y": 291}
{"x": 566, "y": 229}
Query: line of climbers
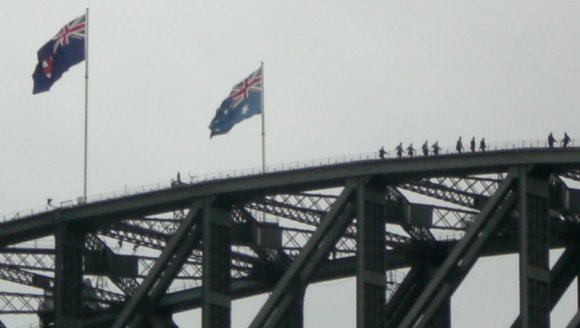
{"x": 459, "y": 147}
{"x": 565, "y": 142}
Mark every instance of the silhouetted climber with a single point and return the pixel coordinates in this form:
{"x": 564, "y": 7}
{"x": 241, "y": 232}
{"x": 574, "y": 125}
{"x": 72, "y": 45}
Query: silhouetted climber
{"x": 551, "y": 140}
{"x": 482, "y": 144}
{"x": 459, "y": 146}
{"x": 436, "y": 148}
{"x": 399, "y": 149}
{"x": 411, "y": 150}
{"x": 566, "y": 140}
{"x": 177, "y": 181}
{"x": 472, "y": 145}
{"x": 425, "y": 149}
{"x": 382, "y": 153}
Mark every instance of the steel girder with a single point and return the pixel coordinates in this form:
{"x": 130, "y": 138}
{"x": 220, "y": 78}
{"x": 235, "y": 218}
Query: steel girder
{"x": 371, "y": 261}
{"x": 39, "y": 259}
{"x": 170, "y": 261}
{"x": 534, "y": 250}
{"x": 462, "y": 257}
{"x": 304, "y": 208}
{"x": 126, "y": 284}
{"x": 23, "y": 277}
{"x": 68, "y": 276}
{"x": 464, "y": 191}
{"x": 21, "y": 303}
{"x": 562, "y": 275}
{"x": 43, "y": 260}
{"x": 299, "y": 272}
{"x": 406, "y": 294}
{"x": 216, "y": 307}
{"x": 295, "y": 239}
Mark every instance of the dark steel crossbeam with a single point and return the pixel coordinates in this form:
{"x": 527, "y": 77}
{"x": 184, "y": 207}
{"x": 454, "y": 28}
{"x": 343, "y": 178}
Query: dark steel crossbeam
{"x": 23, "y": 277}
{"x": 303, "y": 208}
{"x": 452, "y": 218}
{"x": 22, "y": 303}
{"x": 126, "y": 284}
{"x": 165, "y": 226}
{"x": 274, "y": 261}
{"x": 406, "y": 294}
{"x": 40, "y": 259}
{"x": 170, "y": 261}
{"x": 137, "y": 235}
{"x": 462, "y": 257}
{"x": 463, "y": 191}
{"x": 302, "y": 268}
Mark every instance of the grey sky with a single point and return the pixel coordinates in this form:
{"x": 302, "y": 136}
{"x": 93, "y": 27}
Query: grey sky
{"x": 341, "y": 77}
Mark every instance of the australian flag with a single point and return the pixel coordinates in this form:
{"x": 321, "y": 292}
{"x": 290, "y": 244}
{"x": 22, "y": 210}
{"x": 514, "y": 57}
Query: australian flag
{"x": 244, "y": 101}
{"x": 65, "y": 49}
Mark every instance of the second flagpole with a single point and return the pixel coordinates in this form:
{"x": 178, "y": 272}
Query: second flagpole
{"x": 86, "y": 103}
{"x": 263, "y": 124}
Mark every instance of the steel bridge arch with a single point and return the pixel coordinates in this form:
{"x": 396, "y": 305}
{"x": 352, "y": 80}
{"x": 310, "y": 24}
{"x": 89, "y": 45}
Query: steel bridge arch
{"x": 332, "y": 225}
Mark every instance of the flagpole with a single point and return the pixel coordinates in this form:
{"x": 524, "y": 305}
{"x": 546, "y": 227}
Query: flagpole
{"x": 86, "y": 102}
{"x": 263, "y": 124}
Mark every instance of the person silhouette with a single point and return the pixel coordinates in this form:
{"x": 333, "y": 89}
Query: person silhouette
{"x": 425, "y": 148}
{"x": 459, "y": 145}
{"x": 382, "y": 152}
{"x": 399, "y": 150}
{"x": 482, "y": 144}
{"x": 551, "y": 140}
{"x": 472, "y": 145}
{"x": 436, "y": 148}
{"x": 411, "y": 150}
{"x": 566, "y": 140}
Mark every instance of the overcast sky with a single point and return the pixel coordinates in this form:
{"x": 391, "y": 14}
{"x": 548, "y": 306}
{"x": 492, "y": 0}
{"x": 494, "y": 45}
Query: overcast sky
{"x": 341, "y": 78}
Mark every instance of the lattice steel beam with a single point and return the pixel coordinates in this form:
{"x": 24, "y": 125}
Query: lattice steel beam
{"x": 333, "y": 224}
{"x": 40, "y": 259}
{"x": 170, "y": 261}
{"x": 27, "y": 278}
{"x": 22, "y": 303}
{"x": 303, "y": 208}
{"x": 462, "y": 257}
{"x": 463, "y": 191}
{"x": 452, "y": 218}
{"x": 126, "y": 284}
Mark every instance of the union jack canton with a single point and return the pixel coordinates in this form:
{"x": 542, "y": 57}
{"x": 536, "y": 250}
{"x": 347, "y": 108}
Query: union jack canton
{"x": 65, "y": 49}
{"x": 244, "y": 101}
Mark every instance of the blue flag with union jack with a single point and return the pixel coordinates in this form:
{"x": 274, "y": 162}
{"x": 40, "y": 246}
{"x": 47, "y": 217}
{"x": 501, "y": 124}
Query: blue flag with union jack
{"x": 244, "y": 101}
{"x": 65, "y": 49}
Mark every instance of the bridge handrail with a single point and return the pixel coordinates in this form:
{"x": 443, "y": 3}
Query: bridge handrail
{"x": 391, "y": 154}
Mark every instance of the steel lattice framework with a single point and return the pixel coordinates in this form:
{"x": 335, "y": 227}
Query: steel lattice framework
{"x": 133, "y": 261}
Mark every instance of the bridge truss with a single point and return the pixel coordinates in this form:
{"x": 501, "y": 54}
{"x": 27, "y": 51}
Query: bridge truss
{"x": 409, "y": 230}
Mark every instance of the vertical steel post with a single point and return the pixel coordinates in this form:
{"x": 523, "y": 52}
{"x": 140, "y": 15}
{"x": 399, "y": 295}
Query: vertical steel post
{"x": 216, "y": 303}
{"x": 68, "y": 272}
{"x": 370, "y": 270}
{"x": 534, "y": 251}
